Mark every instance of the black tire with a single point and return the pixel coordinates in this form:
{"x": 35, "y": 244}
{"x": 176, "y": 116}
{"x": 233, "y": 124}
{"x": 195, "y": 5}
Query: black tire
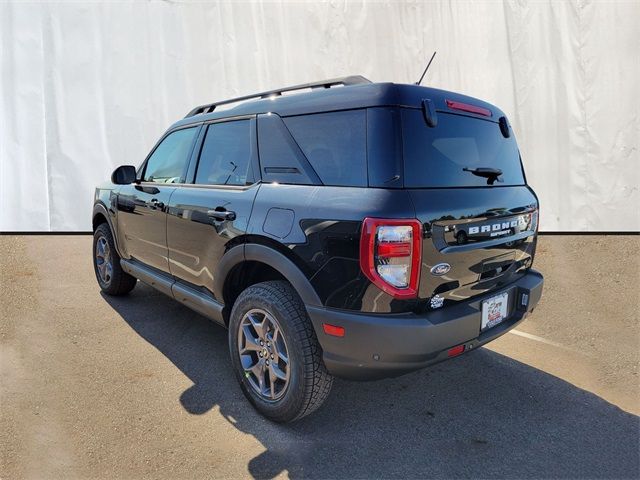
{"x": 309, "y": 383}
{"x": 118, "y": 282}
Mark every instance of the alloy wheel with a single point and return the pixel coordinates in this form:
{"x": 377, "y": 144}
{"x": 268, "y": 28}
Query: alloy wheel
{"x": 263, "y": 354}
{"x": 104, "y": 260}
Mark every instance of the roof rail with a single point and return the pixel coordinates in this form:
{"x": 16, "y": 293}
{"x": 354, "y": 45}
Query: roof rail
{"x": 351, "y": 80}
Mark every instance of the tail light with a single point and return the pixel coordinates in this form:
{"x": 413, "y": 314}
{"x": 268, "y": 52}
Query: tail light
{"x": 390, "y": 253}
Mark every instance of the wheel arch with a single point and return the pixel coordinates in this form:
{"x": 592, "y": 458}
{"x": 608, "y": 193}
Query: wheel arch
{"x": 248, "y": 264}
{"x": 98, "y": 219}
{"x": 101, "y": 215}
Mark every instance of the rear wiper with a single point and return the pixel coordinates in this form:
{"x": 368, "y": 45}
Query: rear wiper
{"x": 491, "y": 174}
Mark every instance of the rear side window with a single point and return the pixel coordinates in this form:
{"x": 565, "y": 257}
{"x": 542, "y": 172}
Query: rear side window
{"x": 437, "y": 157}
{"x": 168, "y": 161}
{"x": 281, "y": 159}
{"x": 335, "y": 144}
{"x": 225, "y": 158}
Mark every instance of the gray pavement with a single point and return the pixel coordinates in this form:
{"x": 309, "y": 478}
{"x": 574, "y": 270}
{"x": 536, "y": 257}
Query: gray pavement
{"x": 141, "y": 387}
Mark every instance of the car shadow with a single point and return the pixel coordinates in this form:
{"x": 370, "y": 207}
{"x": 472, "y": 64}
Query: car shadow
{"x": 480, "y": 415}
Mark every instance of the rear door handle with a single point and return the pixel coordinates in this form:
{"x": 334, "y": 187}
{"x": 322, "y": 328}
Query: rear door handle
{"x": 155, "y": 203}
{"x": 222, "y": 214}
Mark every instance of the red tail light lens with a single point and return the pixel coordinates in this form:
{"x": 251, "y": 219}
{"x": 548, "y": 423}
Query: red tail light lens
{"x": 390, "y": 253}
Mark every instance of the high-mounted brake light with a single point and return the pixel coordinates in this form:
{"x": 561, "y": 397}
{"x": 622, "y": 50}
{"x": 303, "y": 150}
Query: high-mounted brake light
{"x": 390, "y": 254}
{"x": 466, "y": 107}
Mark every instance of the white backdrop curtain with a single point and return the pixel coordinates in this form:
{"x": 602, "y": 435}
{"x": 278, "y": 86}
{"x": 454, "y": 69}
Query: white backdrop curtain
{"x": 87, "y": 86}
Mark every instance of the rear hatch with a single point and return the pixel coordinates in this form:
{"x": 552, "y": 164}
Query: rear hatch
{"x": 463, "y": 170}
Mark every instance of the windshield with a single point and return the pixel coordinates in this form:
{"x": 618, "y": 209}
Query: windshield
{"x": 457, "y": 152}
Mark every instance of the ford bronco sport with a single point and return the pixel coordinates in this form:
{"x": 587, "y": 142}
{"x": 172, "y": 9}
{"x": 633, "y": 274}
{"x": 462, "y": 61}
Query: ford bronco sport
{"x": 354, "y": 229}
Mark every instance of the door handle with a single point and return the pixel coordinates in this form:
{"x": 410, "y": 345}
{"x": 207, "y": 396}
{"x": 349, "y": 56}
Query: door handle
{"x": 222, "y": 214}
{"x": 155, "y": 203}
{"x": 147, "y": 189}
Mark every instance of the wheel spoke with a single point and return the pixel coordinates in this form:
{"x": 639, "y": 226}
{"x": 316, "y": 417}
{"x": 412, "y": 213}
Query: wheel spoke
{"x": 256, "y": 369}
{"x": 278, "y": 346}
{"x": 108, "y": 272}
{"x": 277, "y": 373}
{"x": 258, "y": 325}
{"x": 258, "y": 373}
{"x": 100, "y": 249}
{"x": 272, "y": 390}
{"x": 251, "y": 344}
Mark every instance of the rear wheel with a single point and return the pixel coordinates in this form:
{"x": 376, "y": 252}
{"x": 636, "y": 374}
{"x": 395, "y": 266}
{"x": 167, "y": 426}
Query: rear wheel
{"x": 275, "y": 352}
{"x": 106, "y": 263}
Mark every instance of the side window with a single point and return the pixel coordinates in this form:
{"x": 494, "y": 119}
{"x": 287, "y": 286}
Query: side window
{"x": 335, "y": 144}
{"x": 281, "y": 159}
{"x": 169, "y": 160}
{"x": 226, "y": 154}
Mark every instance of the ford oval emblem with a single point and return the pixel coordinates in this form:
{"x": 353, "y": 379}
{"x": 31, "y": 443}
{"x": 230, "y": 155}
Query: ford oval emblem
{"x": 440, "y": 269}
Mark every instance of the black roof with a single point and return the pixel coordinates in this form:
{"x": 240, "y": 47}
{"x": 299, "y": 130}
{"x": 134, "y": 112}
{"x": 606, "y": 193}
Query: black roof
{"x": 356, "y": 92}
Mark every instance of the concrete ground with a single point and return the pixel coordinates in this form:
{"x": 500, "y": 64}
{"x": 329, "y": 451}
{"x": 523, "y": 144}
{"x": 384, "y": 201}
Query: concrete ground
{"x": 141, "y": 387}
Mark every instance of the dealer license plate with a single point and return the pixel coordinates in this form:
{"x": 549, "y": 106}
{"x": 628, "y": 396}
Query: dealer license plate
{"x": 494, "y": 310}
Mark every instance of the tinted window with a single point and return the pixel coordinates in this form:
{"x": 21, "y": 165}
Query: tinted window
{"x": 168, "y": 161}
{"x": 335, "y": 145}
{"x": 281, "y": 159}
{"x": 384, "y": 147}
{"x": 226, "y": 154}
{"x": 437, "y": 157}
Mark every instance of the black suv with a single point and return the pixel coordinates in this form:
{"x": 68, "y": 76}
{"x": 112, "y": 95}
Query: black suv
{"x": 355, "y": 229}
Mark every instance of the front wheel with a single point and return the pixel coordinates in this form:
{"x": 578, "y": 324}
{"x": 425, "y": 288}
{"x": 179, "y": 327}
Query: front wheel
{"x": 113, "y": 280}
{"x": 275, "y": 352}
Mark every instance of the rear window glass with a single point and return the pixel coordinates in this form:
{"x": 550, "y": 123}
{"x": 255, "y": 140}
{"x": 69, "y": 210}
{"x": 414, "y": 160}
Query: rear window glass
{"x": 437, "y": 157}
{"x": 335, "y": 145}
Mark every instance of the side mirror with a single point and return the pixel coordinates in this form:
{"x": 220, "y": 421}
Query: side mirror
{"x": 124, "y": 175}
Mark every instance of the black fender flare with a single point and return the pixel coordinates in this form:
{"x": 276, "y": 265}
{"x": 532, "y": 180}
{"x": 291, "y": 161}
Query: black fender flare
{"x": 100, "y": 208}
{"x": 268, "y": 256}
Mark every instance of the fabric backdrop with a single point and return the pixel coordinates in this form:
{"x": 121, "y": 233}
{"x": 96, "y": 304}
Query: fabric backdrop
{"x": 87, "y": 86}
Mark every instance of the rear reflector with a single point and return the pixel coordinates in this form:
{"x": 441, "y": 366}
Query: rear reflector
{"x": 455, "y": 351}
{"x": 333, "y": 330}
{"x": 466, "y": 107}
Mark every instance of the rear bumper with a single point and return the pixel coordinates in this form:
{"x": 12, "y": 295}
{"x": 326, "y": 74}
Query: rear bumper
{"x": 378, "y": 346}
